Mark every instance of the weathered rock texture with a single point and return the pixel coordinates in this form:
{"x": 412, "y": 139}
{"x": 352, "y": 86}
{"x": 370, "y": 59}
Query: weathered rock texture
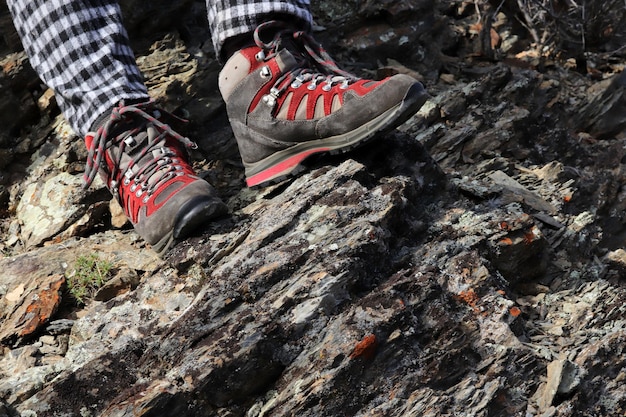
{"x": 470, "y": 263}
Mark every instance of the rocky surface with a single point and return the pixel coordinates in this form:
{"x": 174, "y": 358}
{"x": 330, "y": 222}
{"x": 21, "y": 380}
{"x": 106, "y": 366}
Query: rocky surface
{"x": 470, "y": 263}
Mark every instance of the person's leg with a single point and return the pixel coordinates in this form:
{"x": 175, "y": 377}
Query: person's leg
{"x": 80, "y": 49}
{"x": 232, "y": 22}
{"x": 287, "y": 99}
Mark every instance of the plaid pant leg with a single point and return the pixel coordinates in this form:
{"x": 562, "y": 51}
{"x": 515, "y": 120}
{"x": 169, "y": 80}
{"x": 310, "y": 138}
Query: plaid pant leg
{"x": 79, "y": 48}
{"x": 228, "y": 18}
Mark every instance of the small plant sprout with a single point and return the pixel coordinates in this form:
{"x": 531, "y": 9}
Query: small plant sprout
{"x": 89, "y": 274}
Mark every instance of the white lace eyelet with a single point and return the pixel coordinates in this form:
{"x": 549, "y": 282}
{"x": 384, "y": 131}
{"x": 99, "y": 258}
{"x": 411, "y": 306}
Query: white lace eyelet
{"x": 269, "y": 100}
{"x": 260, "y": 56}
{"x": 265, "y": 72}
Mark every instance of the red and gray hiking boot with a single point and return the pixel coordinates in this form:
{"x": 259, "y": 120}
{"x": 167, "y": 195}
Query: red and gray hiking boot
{"x": 287, "y": 100}
{"x": 144, "y": 164}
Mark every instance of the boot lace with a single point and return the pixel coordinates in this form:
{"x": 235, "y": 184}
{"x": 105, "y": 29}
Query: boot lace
{"x": 315, "y": 65}
{"x": 152, "y": 163}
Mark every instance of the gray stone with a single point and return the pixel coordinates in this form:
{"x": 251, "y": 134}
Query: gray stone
{"x": 47, "y": 208}
{"x": 469, "y": 263}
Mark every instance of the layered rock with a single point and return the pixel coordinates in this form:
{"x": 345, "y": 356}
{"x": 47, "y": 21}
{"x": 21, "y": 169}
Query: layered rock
{"x": 469, "y": 263}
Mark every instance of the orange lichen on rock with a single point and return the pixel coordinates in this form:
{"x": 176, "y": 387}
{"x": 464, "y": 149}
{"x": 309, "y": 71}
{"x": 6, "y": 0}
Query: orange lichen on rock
{"x": 533, "y": 234}
{"x": 34, "y": 306}
{"x": 469, "y": 297}
{"x": 515, "y": 311}
{"x": 366, "y": 348}
{"x": 42, "y": 307}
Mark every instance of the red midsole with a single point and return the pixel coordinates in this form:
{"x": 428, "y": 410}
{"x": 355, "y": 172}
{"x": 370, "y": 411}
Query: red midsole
{"x": 283, "y": 167}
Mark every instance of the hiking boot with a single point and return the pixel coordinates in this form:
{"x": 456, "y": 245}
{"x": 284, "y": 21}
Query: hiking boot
{"x": 144, "y": 164}
{"x": 287, "y": 100}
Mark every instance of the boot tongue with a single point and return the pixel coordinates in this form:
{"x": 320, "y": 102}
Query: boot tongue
{"x": 296, "y": 49}
{"x": 142, "y": 150}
